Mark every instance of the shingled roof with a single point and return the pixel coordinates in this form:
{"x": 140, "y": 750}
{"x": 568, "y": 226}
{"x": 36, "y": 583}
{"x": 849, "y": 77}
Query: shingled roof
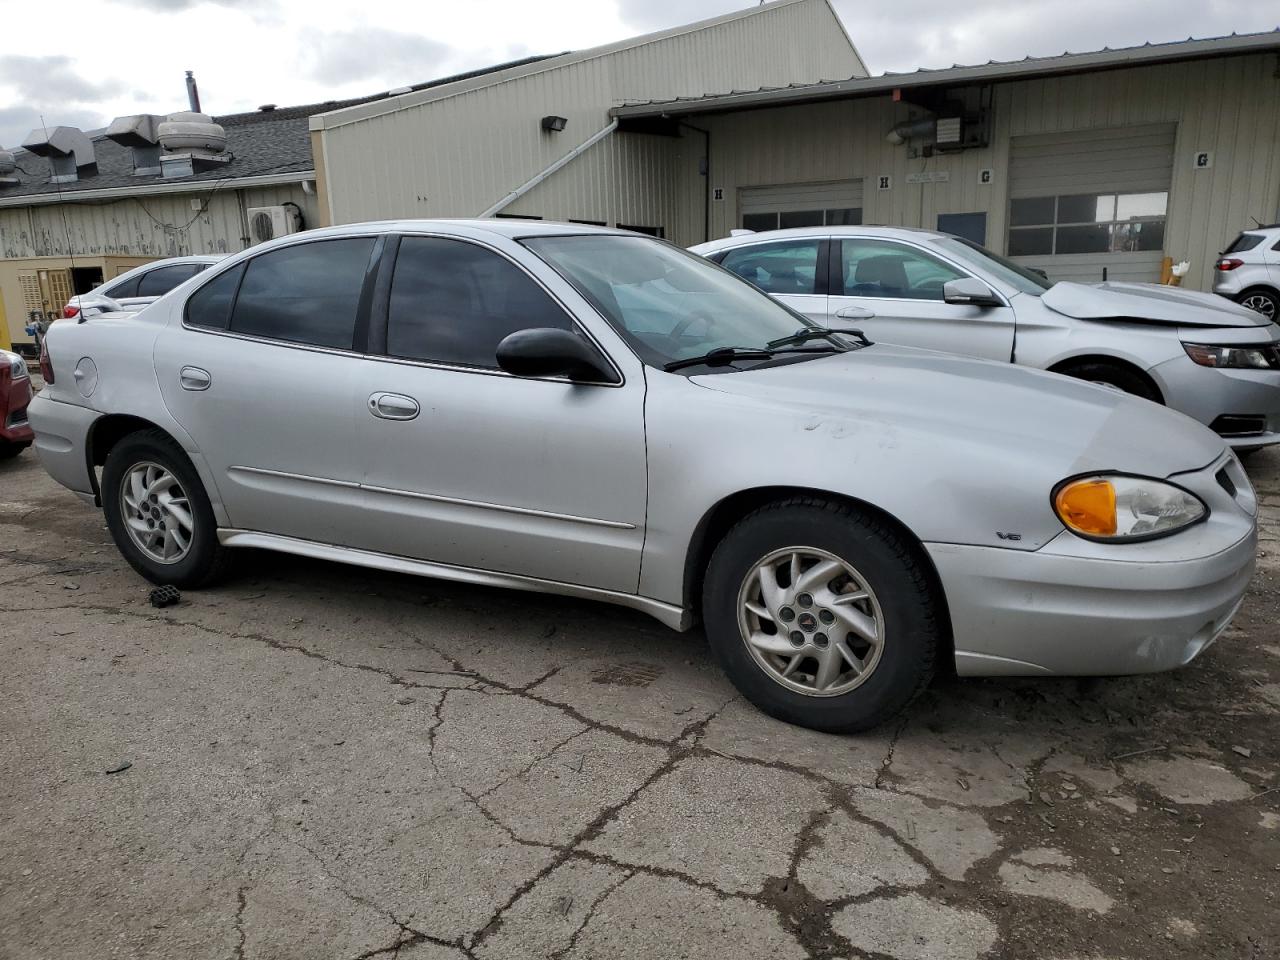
{"x": 264, "y": 142}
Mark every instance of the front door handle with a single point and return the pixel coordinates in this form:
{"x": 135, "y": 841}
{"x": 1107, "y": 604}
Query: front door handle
{"x": 854, "y": 313}
{"x": 193, "y": 378}
{"x": 393, "y": 406}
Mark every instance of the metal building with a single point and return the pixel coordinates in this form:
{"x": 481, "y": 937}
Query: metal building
{"x": 494, "y": 145}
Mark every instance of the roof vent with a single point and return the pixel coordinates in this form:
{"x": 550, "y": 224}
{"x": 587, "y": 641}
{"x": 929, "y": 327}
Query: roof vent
{"x": 139, "y": 134}
{"x": 7, "y": 166}
{"x": 191, "y": 143}
{"x": 70, "y": 152}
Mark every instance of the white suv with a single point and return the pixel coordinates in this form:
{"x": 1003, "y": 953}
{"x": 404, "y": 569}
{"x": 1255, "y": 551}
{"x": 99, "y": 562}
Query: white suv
{"x": 1248, "y": 271}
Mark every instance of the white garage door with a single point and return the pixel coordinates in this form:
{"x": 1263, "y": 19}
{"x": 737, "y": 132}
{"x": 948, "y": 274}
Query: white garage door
{"x": 1093, "y": 200}
{"x": 801, "y": 205}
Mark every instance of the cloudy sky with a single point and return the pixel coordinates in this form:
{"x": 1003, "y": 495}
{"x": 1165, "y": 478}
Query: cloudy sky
{"x": 82, "y": 62}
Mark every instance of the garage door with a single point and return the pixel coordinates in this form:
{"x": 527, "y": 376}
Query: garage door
{"x": 1088, "y": 201}
{"x": 801, "y": 205}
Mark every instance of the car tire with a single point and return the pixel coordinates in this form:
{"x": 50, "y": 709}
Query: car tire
{"x": 871, "y": 559}
{"x": 1261, "y": 300}
{"x": 1115, "y": 375}
{"x": 9, "y": 449}
{"x": 150, "y": 530}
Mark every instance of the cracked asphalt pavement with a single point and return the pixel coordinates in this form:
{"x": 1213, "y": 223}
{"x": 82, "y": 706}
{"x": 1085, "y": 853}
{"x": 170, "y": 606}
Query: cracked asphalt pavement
{"x": 336, "y": 763}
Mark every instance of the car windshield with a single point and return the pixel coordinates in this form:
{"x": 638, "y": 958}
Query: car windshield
{"x": 668, "y": 304}
{"x": 1004, "y": 269}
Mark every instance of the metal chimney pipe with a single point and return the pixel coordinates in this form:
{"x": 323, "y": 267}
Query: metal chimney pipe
{"x": 193, "y": 94}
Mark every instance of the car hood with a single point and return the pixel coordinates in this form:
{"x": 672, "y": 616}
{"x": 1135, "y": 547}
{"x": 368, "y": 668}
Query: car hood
{"x": 998, "y": 409}
{"x": 1149, "y": 302}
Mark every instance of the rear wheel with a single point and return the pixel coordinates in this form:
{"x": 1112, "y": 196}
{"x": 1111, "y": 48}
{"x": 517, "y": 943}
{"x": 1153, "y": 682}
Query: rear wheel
{"x": 1114, "y": 375}
{"x": 821, "y": 615}
{"x": 1261, "y": 300}
{"x": 158, "y": 513}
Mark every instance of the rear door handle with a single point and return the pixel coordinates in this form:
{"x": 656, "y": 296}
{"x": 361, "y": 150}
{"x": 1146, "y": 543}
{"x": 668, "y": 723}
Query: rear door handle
{"x": 854, "y": 313}
{"x": 193, "y": 378}
{"x": 393, "y": 406}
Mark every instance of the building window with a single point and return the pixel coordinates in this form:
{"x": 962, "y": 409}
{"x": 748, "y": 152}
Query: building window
{"x": 647, "y": 231}
{"x": 833, "y": 217}
{"x": 1087, "y": 223}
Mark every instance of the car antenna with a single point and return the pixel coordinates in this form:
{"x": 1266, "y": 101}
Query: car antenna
{"x": 1256, "y": 220}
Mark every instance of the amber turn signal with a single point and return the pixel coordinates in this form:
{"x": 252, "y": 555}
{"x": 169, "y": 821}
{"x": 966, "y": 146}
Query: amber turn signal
{"x": 1088, "y": 506}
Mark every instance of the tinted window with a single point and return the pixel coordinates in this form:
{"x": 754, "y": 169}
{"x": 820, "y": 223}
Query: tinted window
{"x": 309, "y": 293}
{"x": 210, "y": 306}
{"x": 159, "y": 282}
{"x": 874, "y": 268}
{"x": 790, "y": 267}
{"x": 120, "y": 289}
{"x": 1246, "y": 241}
{"x": 454, "y": 302}
{"x": 1032, "y": 210}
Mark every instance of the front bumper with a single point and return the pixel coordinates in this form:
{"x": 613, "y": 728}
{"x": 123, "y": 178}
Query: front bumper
{"x": 62, "y": 435}
{"x": 1209, "y": 393}
{"x": 1078, "y": 608}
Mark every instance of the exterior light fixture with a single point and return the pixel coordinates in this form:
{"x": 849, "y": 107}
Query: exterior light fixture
{"x": 553, "y": 124}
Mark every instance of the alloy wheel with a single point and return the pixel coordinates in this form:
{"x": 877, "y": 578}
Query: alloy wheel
{"x": 156, "y": 512}
{"x": 1260, "y": 303}
{"x": 811, "y": 621}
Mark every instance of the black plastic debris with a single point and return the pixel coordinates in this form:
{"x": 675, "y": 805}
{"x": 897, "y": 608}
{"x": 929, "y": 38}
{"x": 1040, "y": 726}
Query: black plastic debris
{"x": 165, "y": 596}
{"x": 121, "y": 768}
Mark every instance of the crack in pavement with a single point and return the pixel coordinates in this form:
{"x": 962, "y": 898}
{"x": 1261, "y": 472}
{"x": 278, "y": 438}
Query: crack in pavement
{"x": 591, "y": 912}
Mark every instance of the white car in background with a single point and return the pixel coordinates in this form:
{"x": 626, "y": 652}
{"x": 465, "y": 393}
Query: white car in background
{"x": 1200, "y": 354}
{"x": 138, "y": 287}
{"x": 1248, "y": 271}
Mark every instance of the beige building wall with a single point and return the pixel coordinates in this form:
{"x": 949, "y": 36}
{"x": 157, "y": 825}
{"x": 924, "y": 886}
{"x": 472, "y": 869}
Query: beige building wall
{"x": 159, "y": 225}
{"x": 1227, "y": 105}
{"x": 458, "y": 149}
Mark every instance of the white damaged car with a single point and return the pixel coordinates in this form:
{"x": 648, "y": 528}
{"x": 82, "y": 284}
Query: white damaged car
{"x": 1213, "y": 360}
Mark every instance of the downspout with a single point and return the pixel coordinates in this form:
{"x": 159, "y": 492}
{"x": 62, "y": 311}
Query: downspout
{"x": 706, "y": 183}
{"x": 528, "y": 185}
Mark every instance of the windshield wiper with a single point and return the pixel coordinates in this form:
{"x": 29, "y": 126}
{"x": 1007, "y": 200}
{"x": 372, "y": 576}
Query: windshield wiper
{"x": 816, "y": 333}
{"x": 719, "y": 357}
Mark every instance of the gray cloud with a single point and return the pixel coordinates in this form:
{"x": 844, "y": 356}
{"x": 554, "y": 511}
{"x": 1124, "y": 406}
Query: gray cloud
{"x": 50, "y": 86}
{"x": 374, "y": 54}
{"x": 17, "y": 122}
{"x": 174, "y": 6}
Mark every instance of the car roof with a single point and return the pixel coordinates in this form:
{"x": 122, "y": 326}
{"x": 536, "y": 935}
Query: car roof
{"x": 888, "y": 233}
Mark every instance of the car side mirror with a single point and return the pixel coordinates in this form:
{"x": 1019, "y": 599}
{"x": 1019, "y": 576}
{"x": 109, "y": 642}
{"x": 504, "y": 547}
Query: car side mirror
{"x": 551, "y": 352}
{"x": 970, "y": 292}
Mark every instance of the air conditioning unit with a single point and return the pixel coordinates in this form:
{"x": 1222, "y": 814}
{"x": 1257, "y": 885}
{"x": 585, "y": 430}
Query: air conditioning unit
{"x": 267, "y": 223}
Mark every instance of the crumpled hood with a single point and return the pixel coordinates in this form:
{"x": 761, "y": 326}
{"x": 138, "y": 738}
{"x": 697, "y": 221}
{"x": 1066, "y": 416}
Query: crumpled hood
{"x": 1041, "y": 421}
{"x": 1148, "y": 301}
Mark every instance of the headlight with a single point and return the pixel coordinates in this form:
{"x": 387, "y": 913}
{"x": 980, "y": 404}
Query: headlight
{"x": 1262, "y": 356}
{"x": 17, "y": 366}
{"x": 1117, "y": 508}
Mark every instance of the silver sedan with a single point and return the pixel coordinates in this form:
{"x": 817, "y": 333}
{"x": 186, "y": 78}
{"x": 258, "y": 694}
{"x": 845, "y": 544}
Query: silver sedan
{"x": 561, "y": 409}
{"x": 1196, "y": 352}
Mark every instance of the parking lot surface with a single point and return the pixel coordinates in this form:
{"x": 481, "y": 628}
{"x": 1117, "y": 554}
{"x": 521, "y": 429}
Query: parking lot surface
{"x": 320, "y": 761}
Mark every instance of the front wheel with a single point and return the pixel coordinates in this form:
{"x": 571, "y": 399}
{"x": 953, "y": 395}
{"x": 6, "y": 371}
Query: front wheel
{"x": 158, "y": 512}
{"x": 1115, "y": 376}
{"x": 822, "y": 615}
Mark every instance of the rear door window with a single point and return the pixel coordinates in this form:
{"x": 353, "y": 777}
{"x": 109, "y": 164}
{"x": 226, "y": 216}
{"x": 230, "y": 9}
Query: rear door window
{"x": 453, "y": 302}
{"x": 120, "y": 289}
{"x": 156, "y": 283}
{"x": 307, "y": 293}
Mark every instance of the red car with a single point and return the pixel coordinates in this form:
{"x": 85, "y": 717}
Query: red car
{"x": 15, "y": 394}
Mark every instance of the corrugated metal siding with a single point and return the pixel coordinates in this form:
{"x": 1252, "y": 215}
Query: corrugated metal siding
{"x": 1230, "y": 106}
{"x": 457, "y": 155}
{"x": 157, "y": 226}
{"x": 1129, "y": 159}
